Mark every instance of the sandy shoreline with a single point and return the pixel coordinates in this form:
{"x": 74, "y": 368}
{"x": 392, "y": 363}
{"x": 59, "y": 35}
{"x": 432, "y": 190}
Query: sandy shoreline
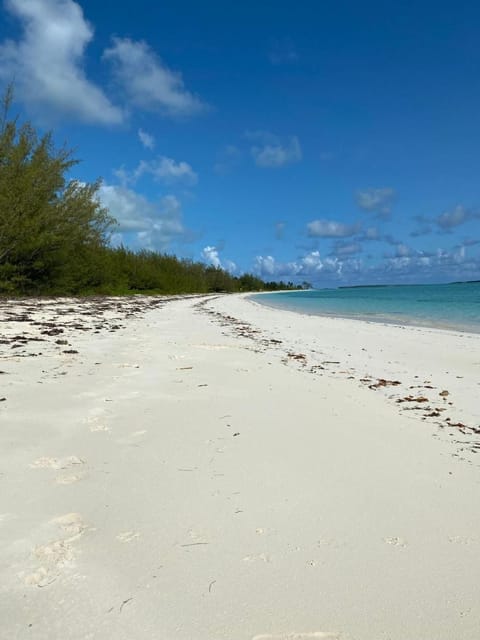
{"x": 385, "y": 318}
{"x": 213, "y": 469}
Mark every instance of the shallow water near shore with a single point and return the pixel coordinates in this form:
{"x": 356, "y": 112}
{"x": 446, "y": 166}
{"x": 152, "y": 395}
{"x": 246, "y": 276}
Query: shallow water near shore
{"x": 443, "y": 306}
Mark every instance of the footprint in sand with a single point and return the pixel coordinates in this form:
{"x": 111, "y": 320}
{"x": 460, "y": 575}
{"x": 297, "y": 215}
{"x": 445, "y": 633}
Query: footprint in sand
{"x": 58, "y": 555}
{"x": 128, "y": 536}
{"x": 395, "y": 541}
{"x": 96, "y": 422}
{"x": 56, "y": 463}
{"x": 95, "y": 427}
{"x": 72, "y": 524}
{"x": 262, "y": 557}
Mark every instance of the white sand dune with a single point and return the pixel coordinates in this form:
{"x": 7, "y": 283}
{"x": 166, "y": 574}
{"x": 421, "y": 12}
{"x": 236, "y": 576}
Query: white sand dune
{"x": 212, "y": 469}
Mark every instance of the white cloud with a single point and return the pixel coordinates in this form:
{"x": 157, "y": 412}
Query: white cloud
{"x": 167, "y": 170}
{"x": 148, "y": 82}
{"x": 310, "y": 264}
{"x": 377, "y": 201}
{"x": 146, "y": 139}
{"x": 211, "y": 255}
{"x": 46, "y": 63}
{"x": 347, "y": 249}
{"x": 442, "y": 264}
{"x": 457, "y": 216}
{"x": 155, "y": 225}
{"x": 162, "y": 169}
{"x": 267, "y": 266}
{"x": 331, "y": 229}
{"x": 450, "y": 219}
{"x": 402, "y": 250}
{"x": 446, "y": 221}
{"x": 405, "y": 266}
{"x": 272, "y": 152}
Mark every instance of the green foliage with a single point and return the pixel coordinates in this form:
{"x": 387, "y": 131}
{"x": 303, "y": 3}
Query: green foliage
{"x": 125, "y": 272}
{"x": 54, "y": 233}
{"x": 47, "y": 225}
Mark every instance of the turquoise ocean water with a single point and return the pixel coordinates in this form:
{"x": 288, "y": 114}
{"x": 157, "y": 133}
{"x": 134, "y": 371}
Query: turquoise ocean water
{"x": 445, "y": 306}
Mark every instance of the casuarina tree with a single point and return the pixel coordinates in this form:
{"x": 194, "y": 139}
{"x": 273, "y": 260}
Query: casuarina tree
{"x": 49, "y": 225}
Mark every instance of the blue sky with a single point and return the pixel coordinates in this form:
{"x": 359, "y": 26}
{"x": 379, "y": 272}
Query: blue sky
{"x": 329, "y": 141}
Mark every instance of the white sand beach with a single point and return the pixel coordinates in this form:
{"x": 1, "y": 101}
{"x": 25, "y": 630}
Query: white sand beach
{"x": 212, "y": 469}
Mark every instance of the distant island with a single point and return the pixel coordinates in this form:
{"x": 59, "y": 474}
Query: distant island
{"x": 417, "y": 284}
{"x": 466, "y": 282}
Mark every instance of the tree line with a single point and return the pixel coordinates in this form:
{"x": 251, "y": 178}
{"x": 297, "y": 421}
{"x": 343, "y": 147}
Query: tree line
{"x": 54, "y": 232}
